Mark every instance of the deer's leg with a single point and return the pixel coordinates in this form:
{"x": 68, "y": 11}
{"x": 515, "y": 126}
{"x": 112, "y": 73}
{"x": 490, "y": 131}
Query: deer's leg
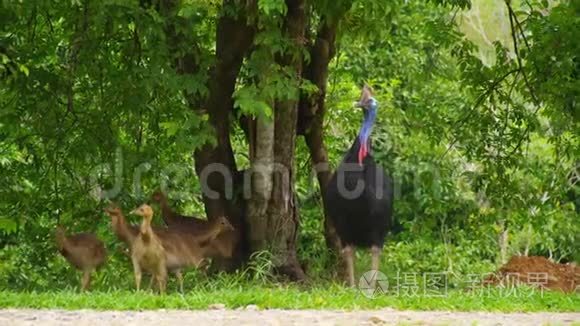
{"x": 162, "y": 282}
{"x": 348, "y": 254}
{"x": 161, "y": 276}
{"x": 151, "y": 280}
{"x": 137, "y": 272}
{"x": 86, "y": 280}
{"x": 179, "y": 279}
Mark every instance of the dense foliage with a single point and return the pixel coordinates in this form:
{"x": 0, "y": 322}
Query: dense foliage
{"x": 485, "y": 155}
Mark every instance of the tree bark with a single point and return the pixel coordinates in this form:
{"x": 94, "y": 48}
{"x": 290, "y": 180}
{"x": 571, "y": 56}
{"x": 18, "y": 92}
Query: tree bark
{"x": 283, "y": 207}
{"x": 272, "y": 214}
{"x": 261, "y": 184}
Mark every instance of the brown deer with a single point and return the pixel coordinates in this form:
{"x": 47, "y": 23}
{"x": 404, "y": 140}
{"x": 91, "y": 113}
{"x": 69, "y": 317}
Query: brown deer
{"x": 172, "y": 218}
{"x": 124, "y": 231}
{"x": 182, "y": 249}
{"x": 225, "y": 242}
{"x": 84, "y": 251}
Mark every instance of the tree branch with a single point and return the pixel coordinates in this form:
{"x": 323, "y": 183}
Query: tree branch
{"x": 477, "y": 103}
{"x": 513, "y": 18}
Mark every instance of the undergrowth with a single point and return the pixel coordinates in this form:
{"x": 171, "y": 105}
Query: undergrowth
{"x": 255, "y": 285}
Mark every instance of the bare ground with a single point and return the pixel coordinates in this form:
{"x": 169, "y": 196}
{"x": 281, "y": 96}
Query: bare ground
{"x": 278, "y": 317}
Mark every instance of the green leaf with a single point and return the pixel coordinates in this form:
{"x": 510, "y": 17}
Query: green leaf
{"x": 171, "y": 128}
{"x": 24, "y": 70}
{"x": 8, "y": 225}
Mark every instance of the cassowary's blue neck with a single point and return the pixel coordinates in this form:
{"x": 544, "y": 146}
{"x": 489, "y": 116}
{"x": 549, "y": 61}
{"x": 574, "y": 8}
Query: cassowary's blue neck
{"x": 370, "y": 115}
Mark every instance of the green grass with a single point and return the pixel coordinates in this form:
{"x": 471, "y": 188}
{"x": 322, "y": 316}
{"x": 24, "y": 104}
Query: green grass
{"x": 293, "y": 297}
{"x": 256, "y": 286}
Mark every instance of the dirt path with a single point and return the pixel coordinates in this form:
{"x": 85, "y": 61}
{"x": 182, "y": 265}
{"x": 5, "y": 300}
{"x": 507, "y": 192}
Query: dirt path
{"x": 277, "y": 317}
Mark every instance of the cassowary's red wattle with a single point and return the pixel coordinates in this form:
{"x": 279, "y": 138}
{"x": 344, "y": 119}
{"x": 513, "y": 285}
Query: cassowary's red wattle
{"x": 362, "y": 153}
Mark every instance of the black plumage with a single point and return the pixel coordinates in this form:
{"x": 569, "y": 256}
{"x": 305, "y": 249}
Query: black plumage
{"x": 361, "y": 219}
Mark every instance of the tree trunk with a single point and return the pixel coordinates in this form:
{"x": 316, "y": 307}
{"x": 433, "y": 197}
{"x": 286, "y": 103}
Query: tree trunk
{"x": 312, "y": 111}
{"x": 215, "y": 165}
{"x": 261, "y": 184}
{"x": 272, "y": 218}
{"x": 272, "y": 214}
{"x": 233, "y": 40}
{"x": 503, "y": 242}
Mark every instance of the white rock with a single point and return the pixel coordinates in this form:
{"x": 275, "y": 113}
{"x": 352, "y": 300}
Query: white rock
{"x": 252, "y": 307}
{"x": 216, "y": 306}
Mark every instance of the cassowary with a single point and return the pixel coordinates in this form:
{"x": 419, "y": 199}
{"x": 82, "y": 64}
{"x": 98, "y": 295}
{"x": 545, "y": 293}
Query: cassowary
{"x": 359, "y": 196}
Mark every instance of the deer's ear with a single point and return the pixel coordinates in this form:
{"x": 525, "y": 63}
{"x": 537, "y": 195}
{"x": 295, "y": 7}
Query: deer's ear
{"x": 366, "y": 94}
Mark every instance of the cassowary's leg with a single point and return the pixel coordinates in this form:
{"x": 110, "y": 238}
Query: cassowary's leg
{"x": 86, "y": 280}
{"x": 376, "y": 256}
{"x": 348, "y": 254}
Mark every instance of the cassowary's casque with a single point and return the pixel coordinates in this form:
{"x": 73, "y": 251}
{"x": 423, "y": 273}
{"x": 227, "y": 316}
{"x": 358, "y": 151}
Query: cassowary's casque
{"x": 359, "y": 196}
